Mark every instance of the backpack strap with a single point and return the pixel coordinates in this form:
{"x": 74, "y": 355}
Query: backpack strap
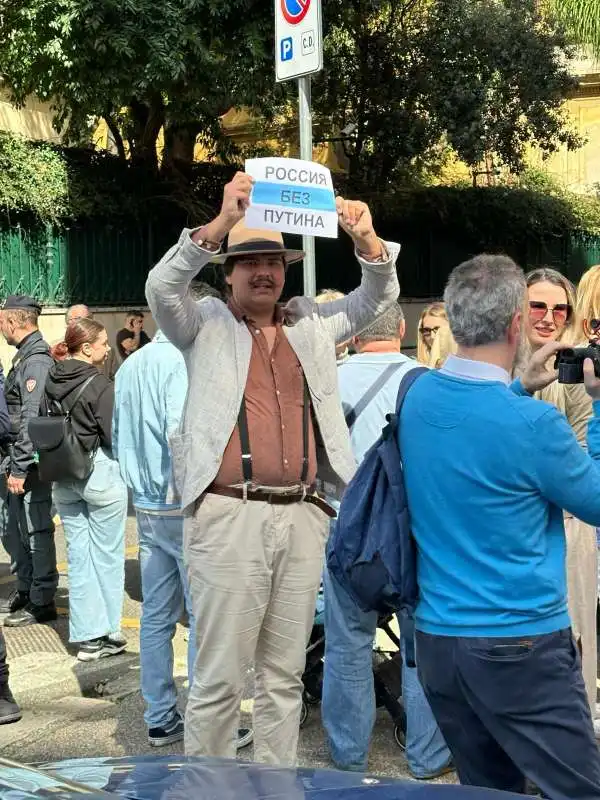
{"x": 364, "y": 401}
{"x": 406, "y": 617}
{"x": 407, "y": 381}
{"x": 82, "y": 389}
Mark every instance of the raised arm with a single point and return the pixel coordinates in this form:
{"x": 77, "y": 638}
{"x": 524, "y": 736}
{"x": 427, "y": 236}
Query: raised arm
{"x": 175, "y": 312}
{"x": 379, "y": 286}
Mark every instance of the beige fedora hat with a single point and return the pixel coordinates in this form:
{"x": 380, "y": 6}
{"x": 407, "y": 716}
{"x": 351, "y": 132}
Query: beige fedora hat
{"x": 243, "y": 241}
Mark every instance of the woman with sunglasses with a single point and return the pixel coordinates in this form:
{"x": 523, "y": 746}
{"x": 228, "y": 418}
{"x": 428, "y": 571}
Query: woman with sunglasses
{"x": 552, "y": 301}
{"x": 430, "y": 322}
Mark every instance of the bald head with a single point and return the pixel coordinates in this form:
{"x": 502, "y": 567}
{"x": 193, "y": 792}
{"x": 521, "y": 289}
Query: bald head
{"x": 77, "y": 312}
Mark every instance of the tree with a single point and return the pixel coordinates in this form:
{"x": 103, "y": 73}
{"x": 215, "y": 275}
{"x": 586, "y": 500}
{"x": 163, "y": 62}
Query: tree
{"x": 582, "y": 19}
{"x": 487, "y": 78}
{"x": 139, "y": 64}
{"x": 410, "y": 78}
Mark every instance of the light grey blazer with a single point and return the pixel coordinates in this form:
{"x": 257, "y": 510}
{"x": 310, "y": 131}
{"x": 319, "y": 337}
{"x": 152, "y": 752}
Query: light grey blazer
{"x": 217, "y": 350}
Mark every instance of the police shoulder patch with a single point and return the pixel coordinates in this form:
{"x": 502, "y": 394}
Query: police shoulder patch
{"x": 30, "y": 384}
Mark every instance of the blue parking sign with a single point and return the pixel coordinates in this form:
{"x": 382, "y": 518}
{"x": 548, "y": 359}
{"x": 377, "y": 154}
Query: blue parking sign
{"x": 287, "y": 49}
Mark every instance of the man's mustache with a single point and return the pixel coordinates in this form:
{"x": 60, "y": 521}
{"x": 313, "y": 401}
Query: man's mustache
{"x": 266, "y": 281}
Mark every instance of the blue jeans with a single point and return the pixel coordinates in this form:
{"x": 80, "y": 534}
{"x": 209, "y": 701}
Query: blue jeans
{"x": 349, "y": 698}
{"x": 511, "y": 708}
{"x": 94, "y": 513}
{"x": 165, "y": 593}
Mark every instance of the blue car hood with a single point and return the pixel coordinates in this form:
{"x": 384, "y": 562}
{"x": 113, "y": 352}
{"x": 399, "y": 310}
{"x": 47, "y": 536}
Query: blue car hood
{"x": 172, "y": 778}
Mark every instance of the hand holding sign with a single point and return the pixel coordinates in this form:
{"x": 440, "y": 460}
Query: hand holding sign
{"x": 236, "y": 199}
{"x": 294, "y": 196}
{"x": 291, "y": 196}
{"x": 355, "y": 218}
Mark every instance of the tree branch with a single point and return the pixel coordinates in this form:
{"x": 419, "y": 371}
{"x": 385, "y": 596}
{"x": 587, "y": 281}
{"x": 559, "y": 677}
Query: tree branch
{"x": 116, "y": 135}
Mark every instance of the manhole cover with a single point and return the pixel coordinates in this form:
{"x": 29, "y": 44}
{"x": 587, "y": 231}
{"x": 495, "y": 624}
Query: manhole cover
{"x": 36, "y": 639}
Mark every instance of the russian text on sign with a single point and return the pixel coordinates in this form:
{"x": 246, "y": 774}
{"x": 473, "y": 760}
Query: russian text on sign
{"x": 292, "y": 196}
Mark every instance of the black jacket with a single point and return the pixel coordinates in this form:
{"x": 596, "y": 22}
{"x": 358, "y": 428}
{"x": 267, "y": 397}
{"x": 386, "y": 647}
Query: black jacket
{"x": 24, "y": 390}
{"x": 92, "y": 414}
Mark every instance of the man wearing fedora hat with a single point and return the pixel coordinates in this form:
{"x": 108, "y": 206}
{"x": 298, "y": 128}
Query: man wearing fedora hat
{"x": 262, "y": 409}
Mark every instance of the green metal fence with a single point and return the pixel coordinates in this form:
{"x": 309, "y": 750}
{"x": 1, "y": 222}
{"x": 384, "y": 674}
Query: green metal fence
{"x": 99, "y": 265}
{"x": 107, "y": 265}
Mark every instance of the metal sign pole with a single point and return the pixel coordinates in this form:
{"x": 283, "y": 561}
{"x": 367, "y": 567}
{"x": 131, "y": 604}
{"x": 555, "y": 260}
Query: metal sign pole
{"x": 306, "y": 153}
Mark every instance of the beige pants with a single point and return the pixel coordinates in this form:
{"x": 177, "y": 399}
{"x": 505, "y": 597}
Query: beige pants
{"x": 254, "y": 571}
{"x": 582, "y": 580}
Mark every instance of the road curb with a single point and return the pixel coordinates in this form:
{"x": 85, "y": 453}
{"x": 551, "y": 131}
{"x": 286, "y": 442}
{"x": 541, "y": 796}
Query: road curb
{"x": 39, "y": 679}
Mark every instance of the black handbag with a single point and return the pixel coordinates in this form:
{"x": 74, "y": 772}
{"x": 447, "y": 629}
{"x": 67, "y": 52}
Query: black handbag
{"x": 61, "y": 456}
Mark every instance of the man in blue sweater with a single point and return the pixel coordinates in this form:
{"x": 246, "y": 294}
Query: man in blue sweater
{"x": 488, "y": 472}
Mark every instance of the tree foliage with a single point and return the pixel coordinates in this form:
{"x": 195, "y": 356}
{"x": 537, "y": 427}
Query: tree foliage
{"x": 412, "y": 77}
{"x": 139, "y": 64}
{"x": 33, "y": 179}
{"x": 582, "y": 19}
{"x": 489, "y": 76}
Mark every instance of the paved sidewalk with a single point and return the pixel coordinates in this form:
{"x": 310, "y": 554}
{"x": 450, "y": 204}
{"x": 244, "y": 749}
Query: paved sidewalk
{"x": 42, "y": 663}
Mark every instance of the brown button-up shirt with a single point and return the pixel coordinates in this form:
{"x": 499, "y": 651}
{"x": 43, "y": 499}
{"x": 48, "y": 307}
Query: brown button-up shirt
{"x": 274, "y": 404}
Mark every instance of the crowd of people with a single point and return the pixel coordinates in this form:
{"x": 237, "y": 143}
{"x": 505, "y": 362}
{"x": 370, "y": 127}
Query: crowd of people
{"x": 236, "y": 430}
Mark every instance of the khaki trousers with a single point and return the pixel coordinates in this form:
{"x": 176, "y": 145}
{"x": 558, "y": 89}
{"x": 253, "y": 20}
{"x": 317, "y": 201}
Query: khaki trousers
{"x": 254, "y": 572}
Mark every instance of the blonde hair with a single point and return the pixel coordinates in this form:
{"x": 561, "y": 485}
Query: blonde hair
{"x": 443, "y": 345}
{"x": 588, "y": 297}
{"x": 328, "y": 295}
{"x": 432, "y": 310}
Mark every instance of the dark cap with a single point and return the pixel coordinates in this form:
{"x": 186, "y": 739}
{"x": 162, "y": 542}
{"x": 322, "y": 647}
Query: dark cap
{"x": 15, "y": 301}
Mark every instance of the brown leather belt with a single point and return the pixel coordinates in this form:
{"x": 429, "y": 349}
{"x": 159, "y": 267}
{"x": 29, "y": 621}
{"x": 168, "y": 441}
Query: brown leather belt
{"x": 274, "y": 498}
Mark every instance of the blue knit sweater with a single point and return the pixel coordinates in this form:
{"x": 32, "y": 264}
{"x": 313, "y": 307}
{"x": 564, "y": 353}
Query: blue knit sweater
{"x": 488, "y": 472}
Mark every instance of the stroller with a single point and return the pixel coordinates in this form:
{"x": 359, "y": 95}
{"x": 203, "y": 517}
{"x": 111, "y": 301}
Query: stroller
{"x": 387, "y": 673}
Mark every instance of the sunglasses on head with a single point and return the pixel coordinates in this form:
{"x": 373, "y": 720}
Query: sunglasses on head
{"x": 561, "y": 312}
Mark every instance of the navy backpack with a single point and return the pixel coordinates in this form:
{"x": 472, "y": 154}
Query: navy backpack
{"x": 371, "y": 552}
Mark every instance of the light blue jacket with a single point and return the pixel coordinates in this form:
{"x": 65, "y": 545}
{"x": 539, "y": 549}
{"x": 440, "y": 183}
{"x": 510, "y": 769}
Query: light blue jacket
{"x": 150, "y": 391}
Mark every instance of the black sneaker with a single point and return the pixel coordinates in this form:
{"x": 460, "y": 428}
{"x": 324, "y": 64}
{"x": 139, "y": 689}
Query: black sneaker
{"x": 103, "y": 647}
{"x": 31, "y": 615}
{"x": 245, "y": 737}
{"x": 14, "y": 602}
{"x": 9, "y": 710}
{"x": 159, "y": 737}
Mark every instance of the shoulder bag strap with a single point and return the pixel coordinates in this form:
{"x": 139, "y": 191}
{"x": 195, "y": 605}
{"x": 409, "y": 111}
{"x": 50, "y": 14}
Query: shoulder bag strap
{"x": 82, "y": 389}
{"x": 364, "y": 401}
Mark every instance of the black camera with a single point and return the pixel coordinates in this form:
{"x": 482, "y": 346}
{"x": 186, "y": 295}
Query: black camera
{"x": 569, "y": 362}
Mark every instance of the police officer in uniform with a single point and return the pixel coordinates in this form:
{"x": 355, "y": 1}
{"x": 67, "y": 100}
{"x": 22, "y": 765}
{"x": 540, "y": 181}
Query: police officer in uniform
{"x": 26, "y": 512}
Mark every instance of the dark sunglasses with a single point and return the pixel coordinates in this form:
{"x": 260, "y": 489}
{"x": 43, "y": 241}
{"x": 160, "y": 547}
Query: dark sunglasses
{"x": 561, "y": 312}
{"x": 428, "y": 331}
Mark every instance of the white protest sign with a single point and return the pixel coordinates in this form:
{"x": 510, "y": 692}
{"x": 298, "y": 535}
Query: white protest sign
{"x": 291, "y": 196}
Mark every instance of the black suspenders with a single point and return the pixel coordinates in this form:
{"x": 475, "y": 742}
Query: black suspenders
{"x": 245, "y": 439}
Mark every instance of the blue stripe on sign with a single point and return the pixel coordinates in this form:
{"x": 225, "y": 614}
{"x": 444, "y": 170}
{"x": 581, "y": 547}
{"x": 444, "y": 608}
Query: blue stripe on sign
{"x": 309, "y": 198}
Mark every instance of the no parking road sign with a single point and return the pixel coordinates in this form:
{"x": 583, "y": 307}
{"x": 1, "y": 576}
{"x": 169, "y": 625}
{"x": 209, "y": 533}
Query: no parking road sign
{"x": 298, "y": 38}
